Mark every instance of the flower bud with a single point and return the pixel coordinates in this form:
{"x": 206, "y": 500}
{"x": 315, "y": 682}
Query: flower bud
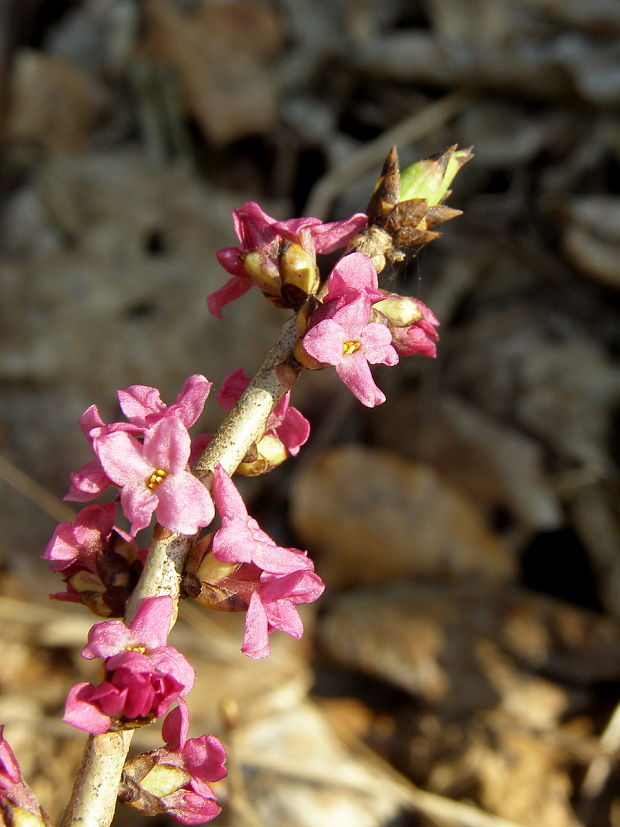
{"x": 431, "y": 178}
{"x": 399, "y": 311}
{"x": 106, "y": 590}
{"x": 263, "y": 272}
{"x": 304, "y": 358}
{"x": 146, "y": 782}
{"x": 212, "y": 583}
{"x": 175, "y": 778}
{"x": 299, "y": 274}
{"x": 411, "y": 323}
{"x": 269, "y": 452}
{"x": 404, "y": 206}
{"x": 18, "y": 817}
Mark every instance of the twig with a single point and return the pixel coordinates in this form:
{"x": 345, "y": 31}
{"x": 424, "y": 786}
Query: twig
{"x": 36, "y": 493}
{"x": 437, "y": 807}
{"x": 440, "y": 809}
{"x": 600, "y": 766}
{"x": 373, "y": 153}
{"x": 93, "y": 799}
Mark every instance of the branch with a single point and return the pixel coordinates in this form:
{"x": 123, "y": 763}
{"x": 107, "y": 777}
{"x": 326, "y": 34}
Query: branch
{"x": 93, "y": 800}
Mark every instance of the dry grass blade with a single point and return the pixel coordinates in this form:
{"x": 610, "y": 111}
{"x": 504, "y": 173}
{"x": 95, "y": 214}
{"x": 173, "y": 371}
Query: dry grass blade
{"x": 372, "y": 153}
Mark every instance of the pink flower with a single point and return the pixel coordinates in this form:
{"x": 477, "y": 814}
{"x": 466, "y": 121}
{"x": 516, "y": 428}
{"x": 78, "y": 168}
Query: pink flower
{"x": 143, "y": 407}
{"x": 87, "y": 483}
{"x": 175, "y": 779}
{"x": 285, "y": 422}
{"x": 202, "y": 757}
{"x": 152, "y": 476}
{"x": 100, "y": 564}
{"x": 418, "y": 337}
{"x": 263, "y": 578}
{"x": 143, "y": 675}
{"x": 350, "y": 342}
{"x": 352, "y": 275}
{"x": 269, "y": 600}
{"x": 82, "y": 539}
{"x": 241, "y": 540}
{"x": 15, "y": 794}
{"x": 259, "y": 233}
{"x": 272, "y": 606}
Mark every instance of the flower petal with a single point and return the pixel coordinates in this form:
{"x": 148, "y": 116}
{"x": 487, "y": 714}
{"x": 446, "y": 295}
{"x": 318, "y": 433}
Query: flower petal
{"x": 138, "y": 503}
{"x": 121, "y": 457}
{"x": 80, "y": 713}
{"x": 325, "y": 341}
{"x": 256, "y": 638}
{"x": 233, "y": 289}
{"x": 184, "y": 504}
{"x": 167, "y": 445}
{"x": 151, "y": 622}
{"x": 105, "y": 639}
{"x": 355, "y": 373}
{"x": 377, "y": 345}
{"x": 140, "y": 401}
{"x": 332, "y": 236}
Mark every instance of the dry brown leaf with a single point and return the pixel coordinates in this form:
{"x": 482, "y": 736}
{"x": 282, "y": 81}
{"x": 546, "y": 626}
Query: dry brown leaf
{"x": 219, "y": 57}
{"x": 375, "y": 516}
{"x": 53, "y": 103}
{"x": 299, "y": 774}
{"x": 469, "y": 645}
{"x": 497, "y": 465}
{"x": 524, "y": 778}
{"x": 592, "y": 237}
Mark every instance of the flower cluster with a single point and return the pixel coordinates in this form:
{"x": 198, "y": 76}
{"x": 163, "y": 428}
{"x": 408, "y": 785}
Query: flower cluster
{"x": 146, "y": 457}
{"x": 278, "y": 257}
{"x": 240, "y": 568}
{"x": 175, "y": 778}
{"x": 348, "y": 321}
{"x": 143, "y": 676}
{"x": 344, "y": 319}
{"x": 100, "y": 564}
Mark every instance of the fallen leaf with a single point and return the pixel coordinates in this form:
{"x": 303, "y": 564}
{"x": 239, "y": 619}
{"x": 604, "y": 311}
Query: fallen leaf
{"x": 375, "y": 516}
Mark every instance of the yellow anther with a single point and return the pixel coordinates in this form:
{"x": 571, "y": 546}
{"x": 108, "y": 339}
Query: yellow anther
{"x": 350, "y": 347}
{"x": 156, "y": 477}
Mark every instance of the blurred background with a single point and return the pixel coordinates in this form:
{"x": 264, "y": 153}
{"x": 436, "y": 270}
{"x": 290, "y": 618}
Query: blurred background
{"x": 463, "y": 665}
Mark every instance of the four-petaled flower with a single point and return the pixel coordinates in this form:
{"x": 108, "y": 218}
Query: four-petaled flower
{"x": 143, "y": 407}
{"x": 153, "y": 476}
{"x": 272, "y": 606}
{"x": 349, "y": 341}
{"x": 175, "y": 778}
{"x": 263, "y": 238}
{"x": 270, "y": 580}
{"x": 143, "y": 675}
